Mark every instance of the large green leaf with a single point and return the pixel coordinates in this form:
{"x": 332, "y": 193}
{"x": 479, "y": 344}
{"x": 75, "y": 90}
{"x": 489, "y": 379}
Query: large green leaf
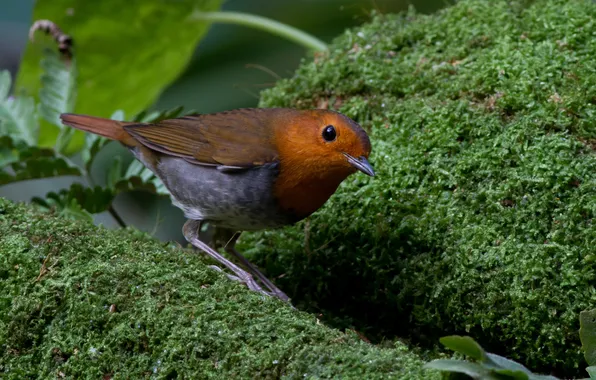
{"x": 473, "y": 370}
{"x": 127, "y": 52}
{"x": 464, "y": 345}
{"x": 485, "y": 365}
{"x": 587, "y": 334}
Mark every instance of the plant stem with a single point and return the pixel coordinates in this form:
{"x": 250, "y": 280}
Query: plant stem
{"x": 111, "y": 209}
{"x": 268, "y": 25}
{"x": 116, "y": 216}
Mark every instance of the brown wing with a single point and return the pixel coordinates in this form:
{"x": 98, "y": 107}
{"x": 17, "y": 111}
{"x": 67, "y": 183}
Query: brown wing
{"x": 233, "y": 139}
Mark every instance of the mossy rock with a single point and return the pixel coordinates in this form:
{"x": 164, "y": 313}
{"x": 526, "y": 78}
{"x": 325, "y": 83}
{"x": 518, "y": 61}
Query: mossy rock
{"x": 85, "y": 302}
{"x": 480, "y": 220}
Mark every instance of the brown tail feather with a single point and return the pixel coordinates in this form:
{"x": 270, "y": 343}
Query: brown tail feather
{"x": 111, "y": 129}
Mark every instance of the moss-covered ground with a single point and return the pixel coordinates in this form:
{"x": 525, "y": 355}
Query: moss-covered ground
{"x": 81, "y": 302}
{"x": 480, "y": 220}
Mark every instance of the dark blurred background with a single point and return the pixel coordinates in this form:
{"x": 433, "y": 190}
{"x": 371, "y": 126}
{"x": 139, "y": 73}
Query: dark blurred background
{"x": 228, "y": 70}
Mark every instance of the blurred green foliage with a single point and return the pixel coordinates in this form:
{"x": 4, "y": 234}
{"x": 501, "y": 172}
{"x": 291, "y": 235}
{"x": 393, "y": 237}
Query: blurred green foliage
{"x": 127, "y": 54}
{"x": 21, "y": 157}
{"x": 234, "y": 63}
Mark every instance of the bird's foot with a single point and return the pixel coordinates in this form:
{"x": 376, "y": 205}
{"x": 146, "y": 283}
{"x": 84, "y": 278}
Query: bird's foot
{"x": 275, "y": 291}
{"x": 238, "y": 279}
{"x": 190, "y": 231}
{"x": 230, "y": 276}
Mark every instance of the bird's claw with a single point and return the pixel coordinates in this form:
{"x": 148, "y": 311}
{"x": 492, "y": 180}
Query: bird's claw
{"x": 246, "y": 279}
{"x": 230, "y": 276}
{"x": 190, "y": 230}
{"x": 215, "y": 267}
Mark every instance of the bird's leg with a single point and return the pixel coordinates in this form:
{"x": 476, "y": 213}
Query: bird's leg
{"x": 191, "y": 230}
{"x": 230, "y": 248}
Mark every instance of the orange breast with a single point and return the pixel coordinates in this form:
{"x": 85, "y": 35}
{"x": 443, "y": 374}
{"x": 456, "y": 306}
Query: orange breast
{"x": 301, "y": 197}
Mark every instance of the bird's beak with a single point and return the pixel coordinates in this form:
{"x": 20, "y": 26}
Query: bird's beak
{"x": 361, "y": 163}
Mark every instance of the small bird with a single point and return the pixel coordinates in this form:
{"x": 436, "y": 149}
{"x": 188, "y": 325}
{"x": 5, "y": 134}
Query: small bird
{"x": 243, "y": 170}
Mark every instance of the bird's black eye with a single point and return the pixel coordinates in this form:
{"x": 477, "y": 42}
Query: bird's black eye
{"x": 329, "y": 133}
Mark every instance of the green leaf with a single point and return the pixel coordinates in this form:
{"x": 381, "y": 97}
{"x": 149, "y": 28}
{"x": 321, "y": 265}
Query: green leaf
{"x": 271, "y": 26}
{"x": 93, "y": 144}
{"x": 126, "y": 55}
{"x": 118, "y": 115}
{"x": 464, "y": 345}
{"x": 502, "y": 365}
{"x": 5, "y": 82}
{"x": 18, "y": 118}
{"x": 68, "y": 208}
{"x": 57, "y": 95}
{"x": 8, "y": 155}
{"x": 534, "y": 376}
{"x": 77, "y": 202}
{"x": 587, "y": 335}
{"x": 511, "y": 374}
{"x": 591, "y": 371}
{"x": 138, "y": 177}
{"x": 114, "y": 172}
{"x": 494, "y": 366}
{"x": 474, "y": 370}
{"x": 20, "y": 162}
{"x": 155, "y": 116}
{"x": 64, "y": 138}
{"x": 73, "y": 210}
{"x": 500, "y": 362}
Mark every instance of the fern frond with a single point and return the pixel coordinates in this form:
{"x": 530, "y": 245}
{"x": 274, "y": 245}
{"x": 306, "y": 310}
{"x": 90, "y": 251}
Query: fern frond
{"x": 138, "y": 177}
{"x": 77, "y": 202}
{"x": 19, "y": 162}
{"x": 18, "y": 117}
{"x": 57, "y": 94}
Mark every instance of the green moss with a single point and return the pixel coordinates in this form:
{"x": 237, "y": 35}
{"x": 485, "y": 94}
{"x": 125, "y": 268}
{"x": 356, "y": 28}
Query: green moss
{"x": 480, "y": 220}
{"x": 172, "y": 315}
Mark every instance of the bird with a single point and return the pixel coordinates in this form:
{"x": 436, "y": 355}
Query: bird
{"x": 246, "y": 169}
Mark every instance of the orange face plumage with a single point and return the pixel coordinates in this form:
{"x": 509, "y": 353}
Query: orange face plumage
{"x": 317, "y": 149}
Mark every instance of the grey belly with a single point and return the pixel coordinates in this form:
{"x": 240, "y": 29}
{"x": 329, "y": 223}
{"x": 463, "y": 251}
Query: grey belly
{"x": 240, "y": 200}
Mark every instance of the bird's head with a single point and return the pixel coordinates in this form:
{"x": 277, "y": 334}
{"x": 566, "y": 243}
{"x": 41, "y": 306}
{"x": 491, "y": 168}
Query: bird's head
{"x": 326, "y": 143}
